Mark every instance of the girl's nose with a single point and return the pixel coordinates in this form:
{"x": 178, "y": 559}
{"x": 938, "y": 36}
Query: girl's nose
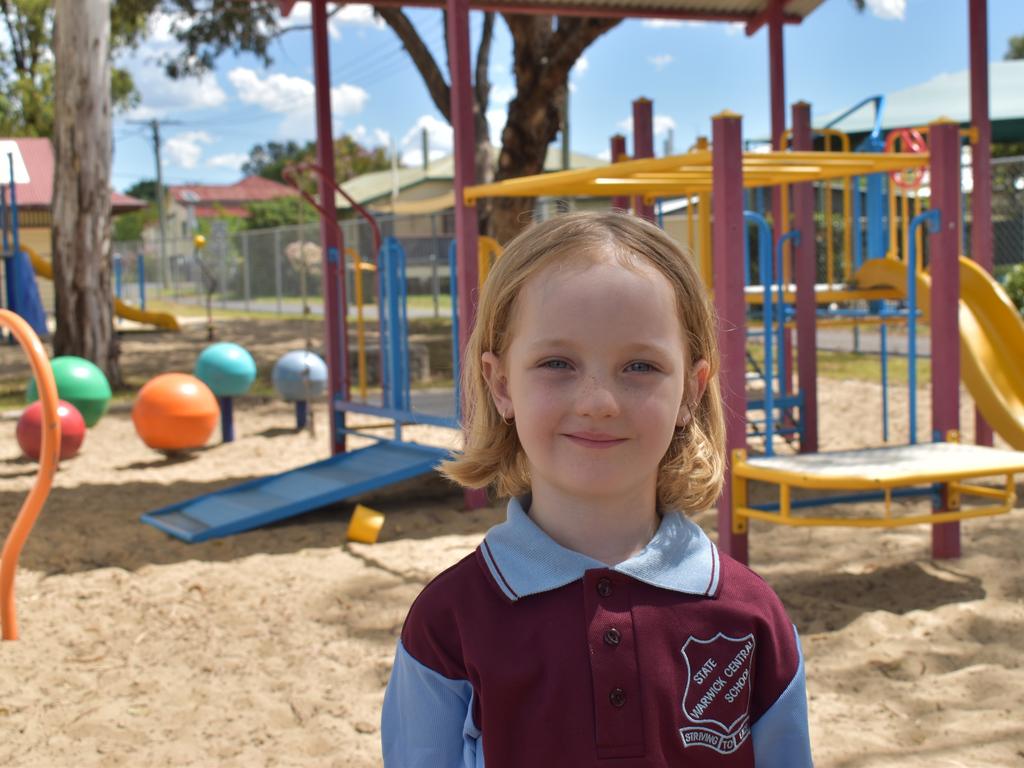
{"x": 596, "y": 399}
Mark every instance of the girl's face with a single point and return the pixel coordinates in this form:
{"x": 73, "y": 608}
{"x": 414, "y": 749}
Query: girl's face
{"x": 596, "y": 377}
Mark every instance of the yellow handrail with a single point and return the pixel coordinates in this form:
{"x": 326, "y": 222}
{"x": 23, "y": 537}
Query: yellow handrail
{"x": 49, "y": 455}
{"x": 488, "y": 251}
{"x": 357, "y": 262}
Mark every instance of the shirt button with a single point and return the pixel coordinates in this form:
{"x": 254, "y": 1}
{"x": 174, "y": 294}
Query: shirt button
{"x": 612, "y": 637}
{"x": 617, "y": 697}
{"x": 604, "y": 587}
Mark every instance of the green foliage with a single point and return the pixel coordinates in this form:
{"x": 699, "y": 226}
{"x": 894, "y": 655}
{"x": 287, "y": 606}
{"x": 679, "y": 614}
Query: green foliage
{"x": 350, "y": 159}
{"x": 129, "y": 226}
{"x": 143, "y": 190}
{"x": 280, "y": 212}
{"x": 26, "y": 57}
{"x": 1013, "y": 282}
{"x": 269, "y": 160}
{"x": 1015, "y": 49}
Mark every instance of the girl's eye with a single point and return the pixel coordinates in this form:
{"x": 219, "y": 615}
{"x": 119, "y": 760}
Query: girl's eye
{"x": 639, "y": 367}
{"x": 555, "y": 364}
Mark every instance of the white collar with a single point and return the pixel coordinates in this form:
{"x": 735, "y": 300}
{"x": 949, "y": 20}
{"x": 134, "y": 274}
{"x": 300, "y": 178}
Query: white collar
{"x": 524, "y": 560}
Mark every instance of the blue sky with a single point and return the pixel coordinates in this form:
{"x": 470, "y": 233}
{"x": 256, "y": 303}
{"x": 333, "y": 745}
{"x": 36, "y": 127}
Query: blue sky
{"x": 691, "y": 71}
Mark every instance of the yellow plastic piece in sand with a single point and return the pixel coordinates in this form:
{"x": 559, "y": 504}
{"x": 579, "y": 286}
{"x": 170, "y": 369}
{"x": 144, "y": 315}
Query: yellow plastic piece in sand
{"x": 365, "y": 525}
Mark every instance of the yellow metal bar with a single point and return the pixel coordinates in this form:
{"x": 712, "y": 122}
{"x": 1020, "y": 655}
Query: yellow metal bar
{"x": 905, "y": 228}
{"x": 929, "y": 518}
{"x": 360, "y": 328}
{"x": 785, "y": 501}
{"x": 488, "y": 251}
{"x": 692, "y": 172}
{"x": 739, "y": 493}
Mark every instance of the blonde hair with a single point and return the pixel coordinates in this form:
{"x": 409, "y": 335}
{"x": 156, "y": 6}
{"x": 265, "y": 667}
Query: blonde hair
{"x": 690, "y": 473}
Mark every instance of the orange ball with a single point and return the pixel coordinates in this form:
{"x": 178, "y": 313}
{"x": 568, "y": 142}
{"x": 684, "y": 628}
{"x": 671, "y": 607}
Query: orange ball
{"x": 175, "y": 412}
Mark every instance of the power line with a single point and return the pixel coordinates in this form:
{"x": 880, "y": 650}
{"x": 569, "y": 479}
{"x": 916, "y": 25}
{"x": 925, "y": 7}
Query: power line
{"x": 154, "y": 126}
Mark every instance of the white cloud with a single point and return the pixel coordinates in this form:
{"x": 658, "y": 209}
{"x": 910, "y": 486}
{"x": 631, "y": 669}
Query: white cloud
{"x": 888, "y": 9}
{"x": 671, "y": 23}
{"x": 496, "y": 119}
{"x": 230, "y": 160}
{"x": 581, "y": 66}
{"x": 661, "y": 61}
{"x": 184, "y": 150}
{"x": 161, "y": 28}
{"x": 293, "y": 97}
{"x": 276, "y": 93}
{"x": 348, "y": 99}
{"x": 605, "y": 154}
{"x": 162, "y": 96}
{"x": 439, "y": 140}
{"x": 503, "y": 93}
{"x": 381, "y": 138}
{"x": 663, "y": 123}
{"x": 353, "y": 15}
{"x": 734, "y": 28}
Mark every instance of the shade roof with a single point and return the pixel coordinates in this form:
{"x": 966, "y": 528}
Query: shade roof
{"x": 691, "y": 173}
{"x": 706, "y": 10}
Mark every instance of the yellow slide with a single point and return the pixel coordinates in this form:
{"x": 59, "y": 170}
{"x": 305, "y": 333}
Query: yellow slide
{"x": 164, "y": 320}
{"x": 991, "y": 339}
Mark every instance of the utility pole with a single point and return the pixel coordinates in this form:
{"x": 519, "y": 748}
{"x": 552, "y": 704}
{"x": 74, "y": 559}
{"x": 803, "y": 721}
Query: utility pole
{"x": 154, "y": 125}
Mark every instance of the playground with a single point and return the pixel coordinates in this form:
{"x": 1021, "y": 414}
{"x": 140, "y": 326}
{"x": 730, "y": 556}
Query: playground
{"x": 273, "y": 646}
{"x": 203, "y": 587}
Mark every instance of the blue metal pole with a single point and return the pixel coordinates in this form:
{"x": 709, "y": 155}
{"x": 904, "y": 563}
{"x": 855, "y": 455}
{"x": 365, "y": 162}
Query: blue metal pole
{"x": 885, "y": 383}
{"x": 118, "y": 269}
{"x": 931, "y": 218}
{"x": 141, "y": 268}
{"x": 227, "y": 420}
{"x": 793, "y": 235}
{"x": 300, "y": 413}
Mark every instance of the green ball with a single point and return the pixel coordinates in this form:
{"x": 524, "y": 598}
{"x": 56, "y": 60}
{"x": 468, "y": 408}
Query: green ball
{"x": 81, "y": 383}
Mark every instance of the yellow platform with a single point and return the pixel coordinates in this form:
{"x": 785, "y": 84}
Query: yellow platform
{"x": 879, "y": 469}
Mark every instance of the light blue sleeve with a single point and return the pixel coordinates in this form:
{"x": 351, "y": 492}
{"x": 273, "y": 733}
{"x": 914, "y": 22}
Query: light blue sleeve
{"x": 427, "y": 719}
{"x": 781, "y": 738}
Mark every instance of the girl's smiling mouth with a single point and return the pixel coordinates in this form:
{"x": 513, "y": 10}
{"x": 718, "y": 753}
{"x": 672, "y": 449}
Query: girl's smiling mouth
{"x": 595, "y": 439}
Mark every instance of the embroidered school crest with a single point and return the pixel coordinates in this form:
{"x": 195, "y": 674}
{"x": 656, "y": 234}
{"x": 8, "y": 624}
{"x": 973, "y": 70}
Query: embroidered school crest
{"x": 717, "y": 698}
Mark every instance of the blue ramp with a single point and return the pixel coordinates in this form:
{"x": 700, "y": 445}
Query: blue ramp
{"x": 269, "y": 499}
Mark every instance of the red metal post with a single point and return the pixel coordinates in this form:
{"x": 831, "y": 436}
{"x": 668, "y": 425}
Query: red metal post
{"x": 467, "y": 232}
{"x": 805, "y": 272}
{"x": 618, "y": 150}
{"x": 727, "y": 254}
{"x": 777, "y": 82}
{"x": 981, "y": 164}
{"x": 643, "y": 146}
{"x": 335, "y": 307}
{"x": 944, "y": 265}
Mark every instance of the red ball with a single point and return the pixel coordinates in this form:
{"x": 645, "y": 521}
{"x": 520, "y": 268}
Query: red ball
{"x": 30, "y": 434}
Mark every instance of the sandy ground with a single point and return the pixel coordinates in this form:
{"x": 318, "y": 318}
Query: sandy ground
{"x": 273, "y": 647}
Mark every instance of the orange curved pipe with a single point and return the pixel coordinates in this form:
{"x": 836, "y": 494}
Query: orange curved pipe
{"x": 49, "y": 454}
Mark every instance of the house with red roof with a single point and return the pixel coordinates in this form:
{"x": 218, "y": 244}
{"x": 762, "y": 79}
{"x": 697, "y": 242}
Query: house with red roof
{"x": 190, "y": 202}
{"x": 35, "y": 197}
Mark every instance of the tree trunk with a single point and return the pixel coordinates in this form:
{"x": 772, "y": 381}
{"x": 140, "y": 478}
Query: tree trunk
{"x": 81, "y": 188}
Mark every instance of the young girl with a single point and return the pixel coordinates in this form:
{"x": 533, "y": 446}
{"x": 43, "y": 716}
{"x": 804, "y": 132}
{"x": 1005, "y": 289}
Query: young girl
{"x": 597, "y": 625}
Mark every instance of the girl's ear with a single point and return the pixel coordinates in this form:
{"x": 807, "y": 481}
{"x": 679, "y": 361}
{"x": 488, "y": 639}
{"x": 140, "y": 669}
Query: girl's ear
{"x": 497, "y": 382}
{"x": 696, "y": 384}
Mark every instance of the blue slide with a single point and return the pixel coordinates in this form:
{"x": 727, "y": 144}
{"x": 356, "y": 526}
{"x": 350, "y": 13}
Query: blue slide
{"x": 23, "y": 295}
{"x": 268, "y": 499}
